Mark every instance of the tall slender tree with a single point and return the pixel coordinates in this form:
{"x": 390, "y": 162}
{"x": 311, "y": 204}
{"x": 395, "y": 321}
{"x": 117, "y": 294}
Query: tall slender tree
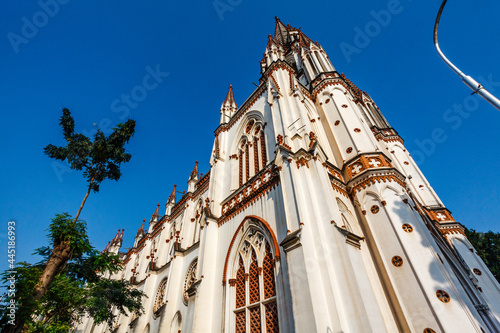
{"x": 99, "y": 159}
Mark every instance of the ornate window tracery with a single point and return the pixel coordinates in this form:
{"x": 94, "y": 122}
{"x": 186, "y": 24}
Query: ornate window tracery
{"x": 160, "y": 297}
{"x": 255, "y": 307}
{"x": 190, "y": 279}
{"x": 251, "y": 154}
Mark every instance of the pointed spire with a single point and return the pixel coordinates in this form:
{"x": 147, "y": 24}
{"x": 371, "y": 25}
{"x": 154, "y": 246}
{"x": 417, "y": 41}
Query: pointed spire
{"x": 171, "y": 197}
{"x": 194, "y": 173}
{"x": 229, "y": 97}
{"x": 229, "y": 106}
{"x": 156, "y": 214}
{"x": 141, "y": 229}
{"x": 117, "y": 237}
{"x": 283, "y": 35}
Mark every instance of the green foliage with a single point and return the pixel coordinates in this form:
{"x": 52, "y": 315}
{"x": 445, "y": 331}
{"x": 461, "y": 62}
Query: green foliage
{"x": 62, "y": 229}
{"x": 80, "y": 288}
{"x": 99, "y": 159}
{"x": 487, "y": 245}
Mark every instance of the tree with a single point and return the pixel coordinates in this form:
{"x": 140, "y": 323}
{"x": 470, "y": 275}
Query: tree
{"x": 487, "y": 245}
{"x": 100, "y": 160}
{"x": 70, "y": 260}
{"x": 79, "y": 289}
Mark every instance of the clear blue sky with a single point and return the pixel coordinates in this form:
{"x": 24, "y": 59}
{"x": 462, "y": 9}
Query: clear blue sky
{"x": 85, "y": 55}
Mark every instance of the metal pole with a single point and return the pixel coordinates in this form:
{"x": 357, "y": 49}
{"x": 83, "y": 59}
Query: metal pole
{"x": 469, "y": 81}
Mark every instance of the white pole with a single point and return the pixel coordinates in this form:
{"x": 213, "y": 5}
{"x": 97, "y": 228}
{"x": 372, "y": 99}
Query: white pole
{"x": 469, "y": 81}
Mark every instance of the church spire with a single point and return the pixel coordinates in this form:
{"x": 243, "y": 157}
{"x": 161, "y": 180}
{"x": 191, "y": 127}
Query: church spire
{"x": 116, "y": 243}
{"x": 193, "y": 178}
{"x": 156, "y": 214}
{"x": 141, "y": 229}
{"x": 171, "y": 201}
{"x": 306, "y": 56}
{"x": 228, "y": 107}
{"x": 194, "y": 173}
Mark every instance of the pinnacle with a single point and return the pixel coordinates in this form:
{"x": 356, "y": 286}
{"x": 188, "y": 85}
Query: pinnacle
{"x": 156, "y": 213}
{"x": 229, "y": 97}
{"x": 172, "y": 195}
{"x": 141, "y": 229}
{"x": 194, "y": 173}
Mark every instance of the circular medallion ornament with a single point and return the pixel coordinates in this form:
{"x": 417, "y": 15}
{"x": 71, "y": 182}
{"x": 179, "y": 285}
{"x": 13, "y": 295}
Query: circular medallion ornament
{"x": 397, "y": 261}
{"x": 407, "y": 228}
{"x": 374, "y": 209}
{"x": 443, "y": 296}
{"x": 349, "y": 150}
{"x": 477, "y": 271}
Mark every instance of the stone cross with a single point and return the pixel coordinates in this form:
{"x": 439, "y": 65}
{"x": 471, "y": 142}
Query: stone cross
{"x": 374, "y": 163}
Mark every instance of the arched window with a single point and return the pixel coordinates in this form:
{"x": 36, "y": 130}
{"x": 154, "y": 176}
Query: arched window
{"x": 255, "y": 307}
{"x": 251, "y": 155}
{"x": 160, "y": 298}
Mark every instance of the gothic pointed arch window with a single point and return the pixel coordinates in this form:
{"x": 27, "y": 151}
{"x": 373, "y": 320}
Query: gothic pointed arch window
{"x": 251, "y": 151}
{"x": 160, "y": 298}
{"x": 197, "y": 221}
{"x": 255, "y": 308}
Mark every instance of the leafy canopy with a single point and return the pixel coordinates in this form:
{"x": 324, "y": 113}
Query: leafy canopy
{"x": 79, "y": 289}
{"x": 99, "y": 159}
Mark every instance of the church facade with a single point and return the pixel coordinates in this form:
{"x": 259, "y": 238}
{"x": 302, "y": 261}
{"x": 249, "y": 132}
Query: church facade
{"x": 313, "y": 218}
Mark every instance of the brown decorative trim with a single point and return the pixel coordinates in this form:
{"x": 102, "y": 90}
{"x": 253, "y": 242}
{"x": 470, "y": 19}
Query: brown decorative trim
{"x": 387, "y": 135}
{"x": 259, "y": 185}
{"x": 377, "y": 178}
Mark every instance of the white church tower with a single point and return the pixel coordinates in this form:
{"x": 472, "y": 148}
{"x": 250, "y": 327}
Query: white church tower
{"x": 313, "y": 218}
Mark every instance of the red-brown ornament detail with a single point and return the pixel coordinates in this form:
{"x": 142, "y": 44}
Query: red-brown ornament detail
{"x": 249, "y": 126}
{"x": 397, "y": 261}
{"x": 477, "y": 271}
{"x": 406, "y": 163}
{"x": 374, "y": 209}
{"x": 327, "y": 100}
{"x": 443, "y": 296}
{"x": 349, "y": 150}
{"x": 344, "y": 106}
{"x": 429, "y": 330}
{"x": 407, "y": 228}
{"x": 337, "y": 123}
{"x": 357, "y": 130}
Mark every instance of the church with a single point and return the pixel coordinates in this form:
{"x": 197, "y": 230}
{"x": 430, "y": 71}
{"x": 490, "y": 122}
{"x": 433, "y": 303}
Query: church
{"x": 312, "y": 218}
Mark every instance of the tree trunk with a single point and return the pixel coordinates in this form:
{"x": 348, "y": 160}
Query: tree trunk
{"x": 84, "y": 200}
{"x": 61, "y": 253}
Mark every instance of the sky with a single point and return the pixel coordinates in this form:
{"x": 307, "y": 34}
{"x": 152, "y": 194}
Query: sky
{"x": 168, "y": 65}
